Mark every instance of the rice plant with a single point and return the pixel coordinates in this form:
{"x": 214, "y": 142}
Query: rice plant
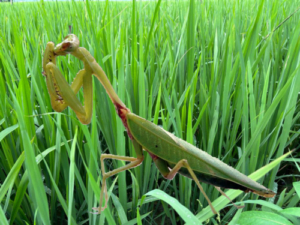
{"x": 222, "y": 75}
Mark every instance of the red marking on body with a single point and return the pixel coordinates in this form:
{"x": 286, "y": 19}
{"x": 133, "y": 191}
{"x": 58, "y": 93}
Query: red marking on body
{"x": 154, "y": 157}
{"x": 122, "y": 112}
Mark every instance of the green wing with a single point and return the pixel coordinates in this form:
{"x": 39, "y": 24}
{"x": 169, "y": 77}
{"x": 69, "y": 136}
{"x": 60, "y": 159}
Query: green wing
{"x": 166, "y": 146}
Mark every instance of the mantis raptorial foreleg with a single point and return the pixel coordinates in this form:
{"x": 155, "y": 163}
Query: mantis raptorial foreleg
{"x": 62, "y": 94}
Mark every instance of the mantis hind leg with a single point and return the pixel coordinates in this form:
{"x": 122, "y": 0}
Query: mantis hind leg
{"x": 226, "y": 196}
{"x": 162, "y": 166}
{"x": 133, "y": 163}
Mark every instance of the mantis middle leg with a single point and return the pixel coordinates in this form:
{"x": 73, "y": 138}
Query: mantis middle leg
{"x": 133, "y": 163}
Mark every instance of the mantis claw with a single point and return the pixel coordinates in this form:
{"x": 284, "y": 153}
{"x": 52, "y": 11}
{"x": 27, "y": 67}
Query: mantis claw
{"x": 98, "y": 210}
{"x": 61, "y": 93}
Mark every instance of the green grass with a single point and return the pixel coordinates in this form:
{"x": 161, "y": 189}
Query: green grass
{"x": 219, "y": 74}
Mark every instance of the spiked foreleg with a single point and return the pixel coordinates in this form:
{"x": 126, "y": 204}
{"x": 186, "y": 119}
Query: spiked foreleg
{"x": 63, "y": 95}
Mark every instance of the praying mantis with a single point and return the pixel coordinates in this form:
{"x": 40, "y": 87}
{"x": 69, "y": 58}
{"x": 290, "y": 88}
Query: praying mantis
{"x": 170, "y": 154}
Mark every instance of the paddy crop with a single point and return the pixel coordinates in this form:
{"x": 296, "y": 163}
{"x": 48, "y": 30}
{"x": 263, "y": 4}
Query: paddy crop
{"x": 222, "y": 75}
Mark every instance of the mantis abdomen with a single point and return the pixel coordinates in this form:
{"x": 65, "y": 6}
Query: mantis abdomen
{"x": 172, "y": 149}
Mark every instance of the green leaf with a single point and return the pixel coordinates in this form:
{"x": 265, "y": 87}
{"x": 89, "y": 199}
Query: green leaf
{"x": 3, "y": 217}
{"x": 264, "y": 203}
{"x": 297, "y": 187}
{"x": 72, "y": 177}
{"x": 294, "y": 211}
{"x": 7, "y": 131}
{"x": 13, "y": 173}
{"x": 183, "y": 212}
{"x": 119, "y": 208}
{"x": 135, "y": 221}
{"x": 262, "y": 218}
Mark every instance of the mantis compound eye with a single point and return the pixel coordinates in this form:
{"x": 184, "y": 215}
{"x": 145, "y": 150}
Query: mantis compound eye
{"x": 70, "y": 44}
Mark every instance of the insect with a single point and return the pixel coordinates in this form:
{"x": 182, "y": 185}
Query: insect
{"x": 170, "y": 154}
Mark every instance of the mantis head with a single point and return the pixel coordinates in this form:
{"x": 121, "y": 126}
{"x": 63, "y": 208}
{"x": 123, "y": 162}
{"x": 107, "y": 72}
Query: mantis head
{"x": 70, "y": 44}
